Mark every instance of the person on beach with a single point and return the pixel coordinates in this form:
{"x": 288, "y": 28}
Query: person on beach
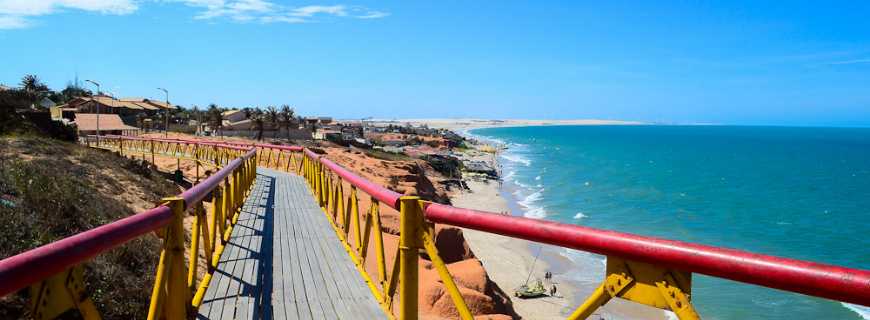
{"x": 553, "y": 291}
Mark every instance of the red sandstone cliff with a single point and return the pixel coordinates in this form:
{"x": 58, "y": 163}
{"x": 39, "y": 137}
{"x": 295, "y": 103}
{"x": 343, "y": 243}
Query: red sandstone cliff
{"x": 483, "y": 297}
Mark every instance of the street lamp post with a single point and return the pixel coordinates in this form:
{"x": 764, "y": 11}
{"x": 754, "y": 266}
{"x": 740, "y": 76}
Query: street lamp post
{"x": 97, "y": 103}
{"x": 166, "y": 113}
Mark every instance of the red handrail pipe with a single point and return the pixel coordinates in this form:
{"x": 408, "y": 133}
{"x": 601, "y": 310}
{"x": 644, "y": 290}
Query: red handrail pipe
{"x": 28, "y": 267}
{"x": 810, "y": 278}
{"x": 384, "y": 195}
{"x": 23, "y": 269}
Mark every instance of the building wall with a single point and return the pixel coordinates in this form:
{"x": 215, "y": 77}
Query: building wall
{"x": 295, "y": 134}
{"x": 235, "y": 117}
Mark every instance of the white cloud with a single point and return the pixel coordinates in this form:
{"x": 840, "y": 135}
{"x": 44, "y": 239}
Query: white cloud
{"x": 12, "y": 22}
{"x": 309, "y": 11}
{"x": 16, "y": 14}
{"x": 265, "y": 11}
{"x": 374, "y": 15}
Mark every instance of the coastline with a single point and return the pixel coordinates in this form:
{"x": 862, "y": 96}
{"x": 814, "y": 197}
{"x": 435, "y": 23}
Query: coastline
{"x": 463, "y": 125}
{"x": 509, "y": 262}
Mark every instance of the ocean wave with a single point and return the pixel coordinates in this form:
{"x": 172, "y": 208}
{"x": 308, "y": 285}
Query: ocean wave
{"x": 862, "y": 311}
{"x": 529, "y": 200}
{"x": 538, "y": 178}
{"x": 522, "y": 185}
{"x": 535, "y": 213}
{"x": 530, "y": 209}
{"x": 517, "y": 159}
{"x": 580, "y": 215}
{"x": 510, "y": 175}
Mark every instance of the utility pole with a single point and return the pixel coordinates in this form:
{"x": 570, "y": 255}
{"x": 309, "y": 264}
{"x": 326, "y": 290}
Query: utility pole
{"x": 97, "y": 103}
{"x": 166, "y": 114}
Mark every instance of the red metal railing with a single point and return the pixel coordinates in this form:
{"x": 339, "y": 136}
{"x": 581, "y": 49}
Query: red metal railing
{"x": 810, "y": 278}
{"x": 815, "y": 279}
{"x": 384, "y": 195}
{"x": 21, "y": 270}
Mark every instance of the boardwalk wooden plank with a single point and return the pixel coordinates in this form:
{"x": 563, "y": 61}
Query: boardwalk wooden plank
{"x": 312, "y": 292}
{"x": 316, "y": 260}
{"x": 281, "y": 307}
{"x": 284, "y": 261}
{"x": 294, "y": 255}
{"x": 342, "y": 288}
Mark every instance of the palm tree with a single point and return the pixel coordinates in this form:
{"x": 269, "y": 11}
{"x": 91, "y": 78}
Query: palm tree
{"x": 258, "y": 117}
{"x": 288, "y": 117}
{"x": 272, "y": 117}
{"x": 33, "y": 88}
{"x": 215, "y": 118}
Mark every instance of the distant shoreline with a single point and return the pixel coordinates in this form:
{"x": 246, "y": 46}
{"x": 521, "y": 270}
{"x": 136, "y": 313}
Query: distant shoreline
{"x": 468, "y": 124}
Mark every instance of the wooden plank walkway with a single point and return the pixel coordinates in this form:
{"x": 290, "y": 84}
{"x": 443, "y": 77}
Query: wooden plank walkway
{"x": 284, "y": 261}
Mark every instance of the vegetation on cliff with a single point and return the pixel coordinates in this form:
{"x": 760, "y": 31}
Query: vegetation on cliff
{"x": 52, "y": 189}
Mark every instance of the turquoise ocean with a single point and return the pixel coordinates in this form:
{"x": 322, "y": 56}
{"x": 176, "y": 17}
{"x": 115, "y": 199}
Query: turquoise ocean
{"x": 796, "y": 192}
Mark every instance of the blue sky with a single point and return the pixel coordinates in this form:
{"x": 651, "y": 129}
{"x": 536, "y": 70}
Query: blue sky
{"x": 795, "y": 63}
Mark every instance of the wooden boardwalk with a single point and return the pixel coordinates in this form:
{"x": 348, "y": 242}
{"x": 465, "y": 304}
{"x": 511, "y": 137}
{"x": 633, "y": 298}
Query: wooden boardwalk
{"x": 284, "y": 261}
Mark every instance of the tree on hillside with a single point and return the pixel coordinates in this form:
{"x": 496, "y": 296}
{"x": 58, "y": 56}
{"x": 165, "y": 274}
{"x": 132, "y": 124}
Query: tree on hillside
{"x": 258, "y": 118}
{"x": 272, "y": 117}
{"x": 9, "y": 101}
{"x": 33, "y": 88}
{"x": 73, "y": 91}
{"x": 287, "y": 115}
{"x": 215, "y": 119}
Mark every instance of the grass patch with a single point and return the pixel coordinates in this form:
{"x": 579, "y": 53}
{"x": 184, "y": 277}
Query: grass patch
{"x": 388, "y": 156}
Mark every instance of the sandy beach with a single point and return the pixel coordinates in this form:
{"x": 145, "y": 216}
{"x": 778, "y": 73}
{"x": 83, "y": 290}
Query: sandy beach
{"x": 510, "y": 262}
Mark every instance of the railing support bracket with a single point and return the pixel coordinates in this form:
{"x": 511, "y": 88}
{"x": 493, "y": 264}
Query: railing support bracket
{"x": 642, "y": 283}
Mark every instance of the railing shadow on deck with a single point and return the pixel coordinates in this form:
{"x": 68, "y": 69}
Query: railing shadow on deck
{"x": 264, "y": 280}
{"x": 259, "y": 207}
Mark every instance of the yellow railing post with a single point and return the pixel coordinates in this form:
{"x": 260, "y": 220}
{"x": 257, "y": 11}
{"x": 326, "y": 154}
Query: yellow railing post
{"x": 354, "y": 218}
{"x": 598, "y": 298}
{"x": 171, "y": 271}
{"x": 409, "y": 244}
{"x": 446, "y": 278}
{"x": 321, "y": 189}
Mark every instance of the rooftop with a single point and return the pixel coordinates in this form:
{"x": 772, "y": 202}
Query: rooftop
{"x": 108, "y": 122}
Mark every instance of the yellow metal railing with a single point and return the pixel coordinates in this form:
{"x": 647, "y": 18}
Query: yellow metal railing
{"x": 649, "y": 271}
{"x": 340, "y": 200}
{"x": 215, "y": 205}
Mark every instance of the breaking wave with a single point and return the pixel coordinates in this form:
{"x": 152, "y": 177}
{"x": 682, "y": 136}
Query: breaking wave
{"x": 517, "y": 159}
{"x": 862, "y": 311}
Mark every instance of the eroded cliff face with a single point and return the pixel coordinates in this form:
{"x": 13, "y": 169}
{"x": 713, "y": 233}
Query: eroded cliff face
{"x": 483, "y": 296}
{"x": 410, "y": 176}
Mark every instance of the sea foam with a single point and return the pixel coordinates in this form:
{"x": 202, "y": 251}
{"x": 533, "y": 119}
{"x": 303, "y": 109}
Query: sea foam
{"x": 532, "y": 209}
{"x": 862, "y": 311}
{"x": 517, "y": 159}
